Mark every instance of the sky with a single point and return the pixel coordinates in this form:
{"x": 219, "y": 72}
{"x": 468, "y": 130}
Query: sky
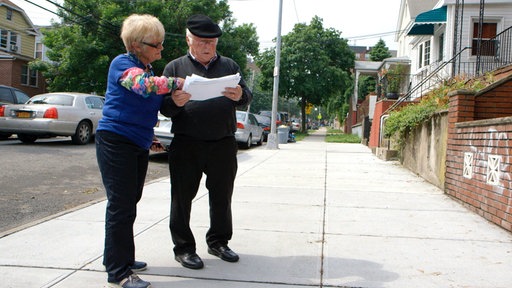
{"x": 362, "y": 22}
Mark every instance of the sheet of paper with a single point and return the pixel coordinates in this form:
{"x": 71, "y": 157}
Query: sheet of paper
{"x": 206, "y": 88}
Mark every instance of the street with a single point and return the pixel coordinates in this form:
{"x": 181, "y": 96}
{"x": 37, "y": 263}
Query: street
{"x": 50, "y": 176}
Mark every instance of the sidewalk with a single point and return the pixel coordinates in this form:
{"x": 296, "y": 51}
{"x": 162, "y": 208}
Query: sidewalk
{"x": 309, "y": 214}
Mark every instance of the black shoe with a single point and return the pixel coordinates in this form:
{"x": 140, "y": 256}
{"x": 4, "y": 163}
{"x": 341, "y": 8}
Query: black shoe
{"x": 138, "y": 266}
{"x": 224, "y": 253}
{"x": 190, "y": 260}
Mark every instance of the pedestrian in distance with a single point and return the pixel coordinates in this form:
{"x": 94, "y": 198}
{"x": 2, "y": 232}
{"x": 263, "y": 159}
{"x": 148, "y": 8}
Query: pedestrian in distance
{"x": 123, "y": 140}
{"x": 203, "y": 142}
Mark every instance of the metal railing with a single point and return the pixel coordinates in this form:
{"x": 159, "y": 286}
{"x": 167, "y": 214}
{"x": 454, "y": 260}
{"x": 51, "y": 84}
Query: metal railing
{"x": 495, "y": 53}
{"x": 423, "y": 82}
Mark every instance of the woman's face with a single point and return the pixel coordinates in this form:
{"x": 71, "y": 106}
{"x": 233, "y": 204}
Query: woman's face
{"x": 150, "y": 50}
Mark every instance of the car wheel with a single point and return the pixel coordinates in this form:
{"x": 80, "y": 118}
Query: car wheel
{"x": 260, "y": 141}
{"x": 82, "y": 134}
{"x": 248, "y": 143}
{"x": 27, "y": 138}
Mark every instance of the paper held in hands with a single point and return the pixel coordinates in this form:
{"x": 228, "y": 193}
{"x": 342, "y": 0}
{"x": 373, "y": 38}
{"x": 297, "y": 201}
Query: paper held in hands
{"x": 206, "y": 88}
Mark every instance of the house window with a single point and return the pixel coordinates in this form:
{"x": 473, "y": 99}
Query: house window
{"x": 4, "y": 35}
{"x": 39, "y": 51}
{"x": 488, "y": 31}
{"x": 13, "y": 43}
{"x": 9, "y": 14}
{"x": 28, "y": 77}
{"x": 9, "y": 40}
{"x": 420, "y": 56}
{"x": 426, "y": 60}
{"x": 424, "y": 54}
{"x": 440, "y": 48}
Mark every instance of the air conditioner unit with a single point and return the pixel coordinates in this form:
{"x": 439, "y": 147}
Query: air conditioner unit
{"x": 14, "y": 48}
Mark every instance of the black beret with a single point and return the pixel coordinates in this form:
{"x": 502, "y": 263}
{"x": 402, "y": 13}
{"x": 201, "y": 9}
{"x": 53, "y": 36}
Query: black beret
{"x": 202, "y": 26}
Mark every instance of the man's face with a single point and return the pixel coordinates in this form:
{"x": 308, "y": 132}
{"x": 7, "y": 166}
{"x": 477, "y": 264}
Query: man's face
{"x": 203, "y": 49}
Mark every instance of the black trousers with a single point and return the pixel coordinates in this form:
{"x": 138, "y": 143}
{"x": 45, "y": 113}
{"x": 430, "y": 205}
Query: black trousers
{"x": 123, "y": 166}
{"x": 188, "y": 160}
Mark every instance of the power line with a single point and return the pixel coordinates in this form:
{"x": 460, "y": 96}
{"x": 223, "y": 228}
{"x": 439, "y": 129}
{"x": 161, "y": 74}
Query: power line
{"x": 39, "y": 6}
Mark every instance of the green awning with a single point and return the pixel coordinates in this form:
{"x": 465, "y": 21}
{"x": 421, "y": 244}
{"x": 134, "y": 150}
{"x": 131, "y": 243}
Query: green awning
{"x": 424, "y": 22}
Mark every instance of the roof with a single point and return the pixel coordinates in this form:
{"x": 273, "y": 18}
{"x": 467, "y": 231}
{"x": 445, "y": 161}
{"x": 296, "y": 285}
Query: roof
{"x": 32, "y": 29}
{"x": 367, "y": 65}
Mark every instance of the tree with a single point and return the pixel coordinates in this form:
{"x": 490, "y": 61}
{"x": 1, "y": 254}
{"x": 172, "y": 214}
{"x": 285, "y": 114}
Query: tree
{"x": 87, "y": 39}
{"x": 314, "y": 66}
{"x": 366, "y": 85}
{"x": 380, "y": 51}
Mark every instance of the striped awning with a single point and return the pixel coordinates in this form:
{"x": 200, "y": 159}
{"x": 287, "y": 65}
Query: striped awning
{"x": 424, "y": 22}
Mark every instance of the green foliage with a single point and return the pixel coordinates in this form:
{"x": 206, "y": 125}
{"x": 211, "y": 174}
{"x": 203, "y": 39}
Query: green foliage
{"x": 299, "y": 136}
{"x": 314, "y": 65}
{"x": 380, "y": 51}
{"x": 403, "y": 121}
{"x": 87, "y": 39}
{"x": 337, "y": 136}
{"x": 366, "y": 84}
{"x": 394, "y": 77}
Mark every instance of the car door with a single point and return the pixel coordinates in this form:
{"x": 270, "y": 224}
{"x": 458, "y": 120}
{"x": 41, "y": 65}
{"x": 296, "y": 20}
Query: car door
{"x": 95, "y": 106}
{"x": 256, "y": 130}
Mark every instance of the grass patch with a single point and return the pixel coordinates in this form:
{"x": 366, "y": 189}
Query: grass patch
{"x": 300, "y": 135}
{"x": 337, "y": 136}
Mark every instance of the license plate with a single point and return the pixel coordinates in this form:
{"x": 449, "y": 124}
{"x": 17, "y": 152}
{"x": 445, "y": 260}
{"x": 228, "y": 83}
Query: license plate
{"x": 23, "y": 114}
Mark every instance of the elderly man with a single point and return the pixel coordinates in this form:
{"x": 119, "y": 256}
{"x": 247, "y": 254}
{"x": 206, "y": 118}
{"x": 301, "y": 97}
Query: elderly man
{"x": 203, "y": 142}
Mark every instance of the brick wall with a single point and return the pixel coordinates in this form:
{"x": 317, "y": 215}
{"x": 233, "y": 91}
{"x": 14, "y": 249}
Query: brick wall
{"x": 11, "y": 76}
{"x": 478, "y": 157}
{"x": 491, "y": 104}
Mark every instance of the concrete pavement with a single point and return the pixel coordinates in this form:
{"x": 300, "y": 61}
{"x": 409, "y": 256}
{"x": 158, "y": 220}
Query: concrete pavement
{"x": 309, "y": 214}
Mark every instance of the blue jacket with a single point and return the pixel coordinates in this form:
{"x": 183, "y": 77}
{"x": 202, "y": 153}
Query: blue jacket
{"x": 125, "y": 112}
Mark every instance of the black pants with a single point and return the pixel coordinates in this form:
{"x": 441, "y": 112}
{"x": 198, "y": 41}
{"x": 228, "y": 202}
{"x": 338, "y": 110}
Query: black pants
{"x": 188, "y": 160}
{"x": 123, "y": 166}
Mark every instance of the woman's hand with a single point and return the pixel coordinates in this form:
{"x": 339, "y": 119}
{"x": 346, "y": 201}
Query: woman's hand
{"x": 156, "y": 146}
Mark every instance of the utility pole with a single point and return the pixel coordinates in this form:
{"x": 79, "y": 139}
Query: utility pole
{"x": 272, "y": 142}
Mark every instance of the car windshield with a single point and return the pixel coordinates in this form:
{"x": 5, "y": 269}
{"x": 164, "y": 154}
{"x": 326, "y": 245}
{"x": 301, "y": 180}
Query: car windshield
{"x": 56, "y": 99}
{"x": 240, "y": 116}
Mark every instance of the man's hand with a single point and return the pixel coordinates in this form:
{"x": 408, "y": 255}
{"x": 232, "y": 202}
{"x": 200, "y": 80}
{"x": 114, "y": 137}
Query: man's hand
{"x": 233, "y": 93}
{"x": 180, "y": 97}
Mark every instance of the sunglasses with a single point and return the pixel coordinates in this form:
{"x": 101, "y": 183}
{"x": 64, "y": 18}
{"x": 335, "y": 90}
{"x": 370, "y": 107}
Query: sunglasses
{"x": 154, "y": 45}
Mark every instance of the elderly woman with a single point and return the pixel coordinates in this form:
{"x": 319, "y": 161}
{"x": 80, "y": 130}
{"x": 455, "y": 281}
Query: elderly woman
{"x": 124, "y": 138}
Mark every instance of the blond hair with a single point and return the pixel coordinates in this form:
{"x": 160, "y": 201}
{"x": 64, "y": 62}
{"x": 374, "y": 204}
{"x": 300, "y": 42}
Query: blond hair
{"x": 139, "y": 27}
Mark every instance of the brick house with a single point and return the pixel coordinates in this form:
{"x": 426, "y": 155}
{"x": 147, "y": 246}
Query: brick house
{"x": 18, "y": 46}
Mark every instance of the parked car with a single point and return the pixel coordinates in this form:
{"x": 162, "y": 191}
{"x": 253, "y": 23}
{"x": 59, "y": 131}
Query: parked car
{"x": 264, "y": 122}
{"x": 163, "y": 131}
{"x": 53, "y": 114}
{"x": 248, "y": 130}
{"x": 295, "y": 125}
{"x": 281, "y": 117}
{"x": 11, "y": 95}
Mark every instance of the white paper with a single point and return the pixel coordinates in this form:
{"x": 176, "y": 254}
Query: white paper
{"x": 206, "y": 88}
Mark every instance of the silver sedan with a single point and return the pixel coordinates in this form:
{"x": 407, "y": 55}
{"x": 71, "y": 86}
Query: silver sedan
{"x": 248, "y": 130}
{"x": 54, "y": 114}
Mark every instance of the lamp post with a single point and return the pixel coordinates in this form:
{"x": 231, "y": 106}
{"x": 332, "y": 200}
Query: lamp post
{"x": 272, "y": 142}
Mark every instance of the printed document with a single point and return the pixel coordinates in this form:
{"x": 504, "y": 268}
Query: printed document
{"x": 206, "y": 88}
